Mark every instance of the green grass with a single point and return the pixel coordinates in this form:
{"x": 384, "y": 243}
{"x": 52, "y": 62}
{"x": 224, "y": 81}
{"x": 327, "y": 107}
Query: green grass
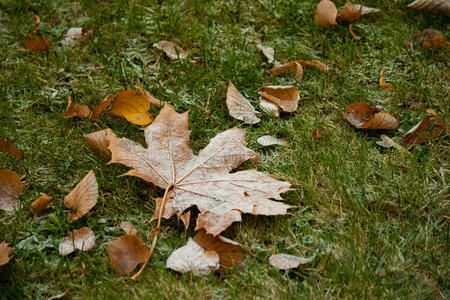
{"x": 362, "y": 210}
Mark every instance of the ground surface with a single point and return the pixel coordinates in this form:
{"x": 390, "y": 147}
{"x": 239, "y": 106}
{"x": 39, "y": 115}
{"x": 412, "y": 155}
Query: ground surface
{"x": 374, "y": 221}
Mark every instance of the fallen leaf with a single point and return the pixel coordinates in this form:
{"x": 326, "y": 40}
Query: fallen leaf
{"x": 172, "y": 50}
{"x": 316, "y": 133}
{"x": 186, "y": 219}
{"x": 169, "y": 209}
{"x": 293, "y": 65}
{"x": 366, "y": 10}
{"x": 269, "y": 107}
{"x": 201, "y": 180}
{"x": 285, "y": 97}
{"x": 354, "y": 35}
{"x": 40, "y": 204}
{"x": 349, "y": 13}
{"x": 299, "y": 71}
{"x": 11, "y": 148}
{"x": 383, "y": 83}
{"x": 286, "y": 261}
{"x": 82, "y": 239}
{"x": 75, "y": 110}
{"x": 229, "y": 251}
{"x": 361, "y": 115}
{"x": 133, "y": 106}
{"x": 387, "y": 142}
{"x": 239, "y": 107}
{"x": 268, "y": 140}
{"x": 83, "y": 197}
{"x": 325, "y": 14}
{"x": 4, "y": 253}
{"x": 126, "y": 253}
{"x": 101, "y": 107}
{"x": 429, "y": 38}
{"x": 442, "y": 6}
{"x": 38, "y": 44}
{"x": 76, "y": 35}
{"x": 10, "y": 189}
{"x": 193, "y": 258}
{"x": 429, "y": 128}
{"x": 128, "y": 228}
{"x": 149, "y": 96}
{"x": 98, "y": 140}
{"x": 268, "y": 52}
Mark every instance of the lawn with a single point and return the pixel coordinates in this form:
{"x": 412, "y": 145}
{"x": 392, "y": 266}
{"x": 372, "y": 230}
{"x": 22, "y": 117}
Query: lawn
{"x": 374, "y": 221}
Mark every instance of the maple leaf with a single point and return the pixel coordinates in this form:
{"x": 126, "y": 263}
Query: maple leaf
{"x": 201, "y": 180}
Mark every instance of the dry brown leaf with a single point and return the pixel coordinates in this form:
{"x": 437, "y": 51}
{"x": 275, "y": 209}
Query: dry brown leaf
{"x": 429, "y": 128}
{"x": 10, "y": 189}
{"x": 11, "y": 148}
{"x": 75, "y": 110}
{"x": 133, "y": 106}
{"x": 201, "y": 180}
{"x": 429, "y": 38}
{"x": 316, "y": 133}
{"x": 354, "y": 35}
{"x": 268, "y": 140}
{"x": 126, "y": 253}
{"x": 186, "y": 219}
{"x": 149, "y": 96}
{"x": 325, "y": 14}
{"x": 229, "y": 251}
{"x": 383, "y": 83}
{"x": 38, "y": 44}
{"x": 285, "y": 97}
{"x": 239, "y": 107}
{"x": 83, "y": 197}
{"x": 76, "y": 35}
{"x": 294, "y": 65}
{"x": 193, "y": 258}
{"x": 82, "y": 239}
{"x": 442, "y": 6}
{"x": 366, "y": 10}
{"x": 128, "y": 228}
{"x": 101, "y": 107}
{"x": 298, "y": 71}
{"x": 269, "y": 107}
{"x": 387, "y": 142}
{"x": 361, "y": 115}
{"x": 349, "y": 13}
{"x": 286, "y": 261}
{"x": 268, "y": 52}
{"x": 172, "y": 50}
{"x": 4, "y": 253}
{"x": 98, "y": 140}
{"x": 40, "y": 204}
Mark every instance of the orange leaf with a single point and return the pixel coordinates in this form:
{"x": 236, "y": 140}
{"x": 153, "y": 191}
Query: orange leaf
{"x": 428, "y": 38}
{"x": 11, "y": 148}
{"x": 38, "y": 44}
{"x": 126, "y": 253}
{"x": 285, "y": 97}
{"x": 383, "y": 83}
{"x": 354, "y": 35}
{"x": 325, "y": 14}
{"x": 10, "y": 189}
{"x": 83, "y": 197}
{"x": 101, "y": 107}
{"x": 349, "y": 13}
{"x": 316, "y": 133}
{"x": 429, "y": 128}
{"x": 40, "y": 204}
{"x": 361, "y": 115}
{"x": 75, "y": 110}
{"x": 98, "y": 140}
{"x": 4, "y": 253}
{"x": 149, "y": 96}
{"x": 133, "y": 106}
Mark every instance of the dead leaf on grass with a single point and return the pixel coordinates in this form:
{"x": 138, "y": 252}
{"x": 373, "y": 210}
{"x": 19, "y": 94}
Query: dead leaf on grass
{"x": 128, "y": 228}
{"x": 285, "y": 97}
{"x": 193, "y": 258}
{"x": 186, "y": 219}
{"x": 268, "y": 140}
{"x": 149, "y": 96}
{"x": 429, "y": 128}
{"x": 349, "y": 13}
{"x": 429, "y": 38}
{"x": 172, "y": 50}
{"x": 133, "y": 106}
{"x": 11, "y": 149}
{"x": 387, "y": 142}
{"x": 75, "y": 110}
{"x": 325, "y": 14}
{"x": 239, "y": 107}
{"x": 294, "y": 65}
{"x": 10, "y": 189}
{"x": 286, "y": 261}
{"x": 366, "y": 10}
{"x": 4, "y": 253}
{"x": 383, "y": 82}
{"x": 354, "y": 35}
{"x": 98, "y": 140}
{"x": 268, "y": 52}
{"x": 40, "y": 204}
{"x": 77, "y": 35}
{"x": 126, "y": 253}
{"x": 316, "y": 133}
{"x": 38, "y": 43}
{"x": 83, "y": 197}
{"x": 442, "y": 6}
{"x": 101, "y": 107}
{"x": 361, "y": 115}
{"x": 82, "y": 239}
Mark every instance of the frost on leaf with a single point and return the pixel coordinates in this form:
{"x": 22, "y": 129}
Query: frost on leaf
{"x": 98, "y": 141}
{"x": 201, "y": 180}
{"x": 82, "y": 239}
{"x": 193, "y": 258}
{"x": 83, "y": 197}
{"x": 239, "y": 107}
{"x": 10, "y": 189}
{"x": 286, "y": 261}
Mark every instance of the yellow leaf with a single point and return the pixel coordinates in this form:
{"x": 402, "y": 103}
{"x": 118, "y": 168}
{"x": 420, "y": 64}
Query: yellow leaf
{"x": 133, "y": 106}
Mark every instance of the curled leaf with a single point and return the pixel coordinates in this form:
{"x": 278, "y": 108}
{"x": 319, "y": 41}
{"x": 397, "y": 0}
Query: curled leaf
{"x": 133, "y": 106}
{"x": 149, "y": 96}
{"x": 172, "y": 50}
{"x": 98, "y": 140}
{"x": 11, "y": 148}
{"x": 76, "y": 35}
{"x": 383, "y": 83}
{"x": 193, "y": 258}
{"x": 361, "y": 115}
{"x": 442, "y": 6}
{"x": 349, "y": 13}
{"x": 269, "y": 107}
{"x": 10, "y": 189}
{"x": 83, "y": 197}
{"x": 4, "y": 253}
{"x": 268, "y": 140}
{"x": 354, "y": 35}
{"x": 239, "y": 107}
{"x": 128, "y": 228}
{"x": 75, "y": 110}
{"x": 101, "y": 107}
{"x": 429, "y": 128}
{"x": 286, "y": 261}
{"x": 82, "y": 239}
{"x": 268, "y": 52}
{"x": 126, "y": 253}
{"x": 40, "y": 204}
{"x": 186, "y": 219}
{"x": 285, "y": 97}
{"x": 325, "y": 14}
{"x": 278, "y": 70}
{"x": 365, "y": 10}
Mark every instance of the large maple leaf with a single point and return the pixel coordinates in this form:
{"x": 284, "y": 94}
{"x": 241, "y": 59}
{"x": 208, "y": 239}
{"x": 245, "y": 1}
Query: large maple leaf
{"x": 202, "y": 180}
